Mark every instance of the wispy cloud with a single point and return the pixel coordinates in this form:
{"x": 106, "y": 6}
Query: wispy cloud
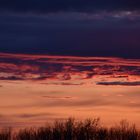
{"x": 66, "y": 69}
{"x": 136, "y": 83}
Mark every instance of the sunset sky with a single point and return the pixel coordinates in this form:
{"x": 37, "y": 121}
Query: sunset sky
{"x": 63, "y": 58}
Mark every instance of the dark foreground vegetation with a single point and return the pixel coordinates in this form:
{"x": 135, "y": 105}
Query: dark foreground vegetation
{"x": 73, "y": 130}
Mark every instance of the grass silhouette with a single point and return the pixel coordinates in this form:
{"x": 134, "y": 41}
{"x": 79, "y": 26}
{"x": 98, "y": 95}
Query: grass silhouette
{"x": 89, "y": 129}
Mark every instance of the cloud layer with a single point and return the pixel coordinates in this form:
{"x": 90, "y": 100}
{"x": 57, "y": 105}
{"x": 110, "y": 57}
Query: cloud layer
{"x": 80, "y": 34}
{"x": 137, "y": 83}
{"x": 69, "y": 69}
{"x": 43, "y": 6}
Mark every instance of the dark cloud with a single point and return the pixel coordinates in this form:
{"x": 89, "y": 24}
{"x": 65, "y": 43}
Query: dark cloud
{"x": 136, "y": 83}
{"x": 76, "y": 34}
{"x": 44, "y": 6}
{"x": 64, "y": 83}
{"x": 13, "y": 78}
{"x": 26, "y": 116}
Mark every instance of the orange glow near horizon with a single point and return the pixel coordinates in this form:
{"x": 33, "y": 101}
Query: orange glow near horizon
{"x": 38, "y": 88}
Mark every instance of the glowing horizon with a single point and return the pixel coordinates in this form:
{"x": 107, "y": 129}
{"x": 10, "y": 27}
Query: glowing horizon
{"x": 37, "y": 88}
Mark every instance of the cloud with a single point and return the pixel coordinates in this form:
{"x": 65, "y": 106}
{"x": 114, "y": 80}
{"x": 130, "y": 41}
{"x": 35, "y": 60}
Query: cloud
{"x": 64, "y": 83}
{"x": 72, "y": 33}
{"x": 26, "y": 116}
{"x": 45, "y": 6}
{"x": 136, "y": 83}
{"x": 13, "y": 78}
{"x": 58, "y": 97}
{"x": 67, "y": 69}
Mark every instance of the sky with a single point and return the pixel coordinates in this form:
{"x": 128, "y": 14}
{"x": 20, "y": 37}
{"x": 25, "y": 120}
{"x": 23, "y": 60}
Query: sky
{"x": 73, "y": 27}
{"x": 44, "y": 6}
{"x": 69, "y": 58}
{"x": 35, "y": 89}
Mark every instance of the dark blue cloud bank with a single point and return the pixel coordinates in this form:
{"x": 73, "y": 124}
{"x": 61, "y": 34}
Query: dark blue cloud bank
{"x": 72, "y": 27}
{"x": 72, "y": 34}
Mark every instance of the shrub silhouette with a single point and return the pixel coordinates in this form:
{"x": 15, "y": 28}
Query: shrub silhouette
{"x": 5, "y": 134}
{"x": 70, "y": 129}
